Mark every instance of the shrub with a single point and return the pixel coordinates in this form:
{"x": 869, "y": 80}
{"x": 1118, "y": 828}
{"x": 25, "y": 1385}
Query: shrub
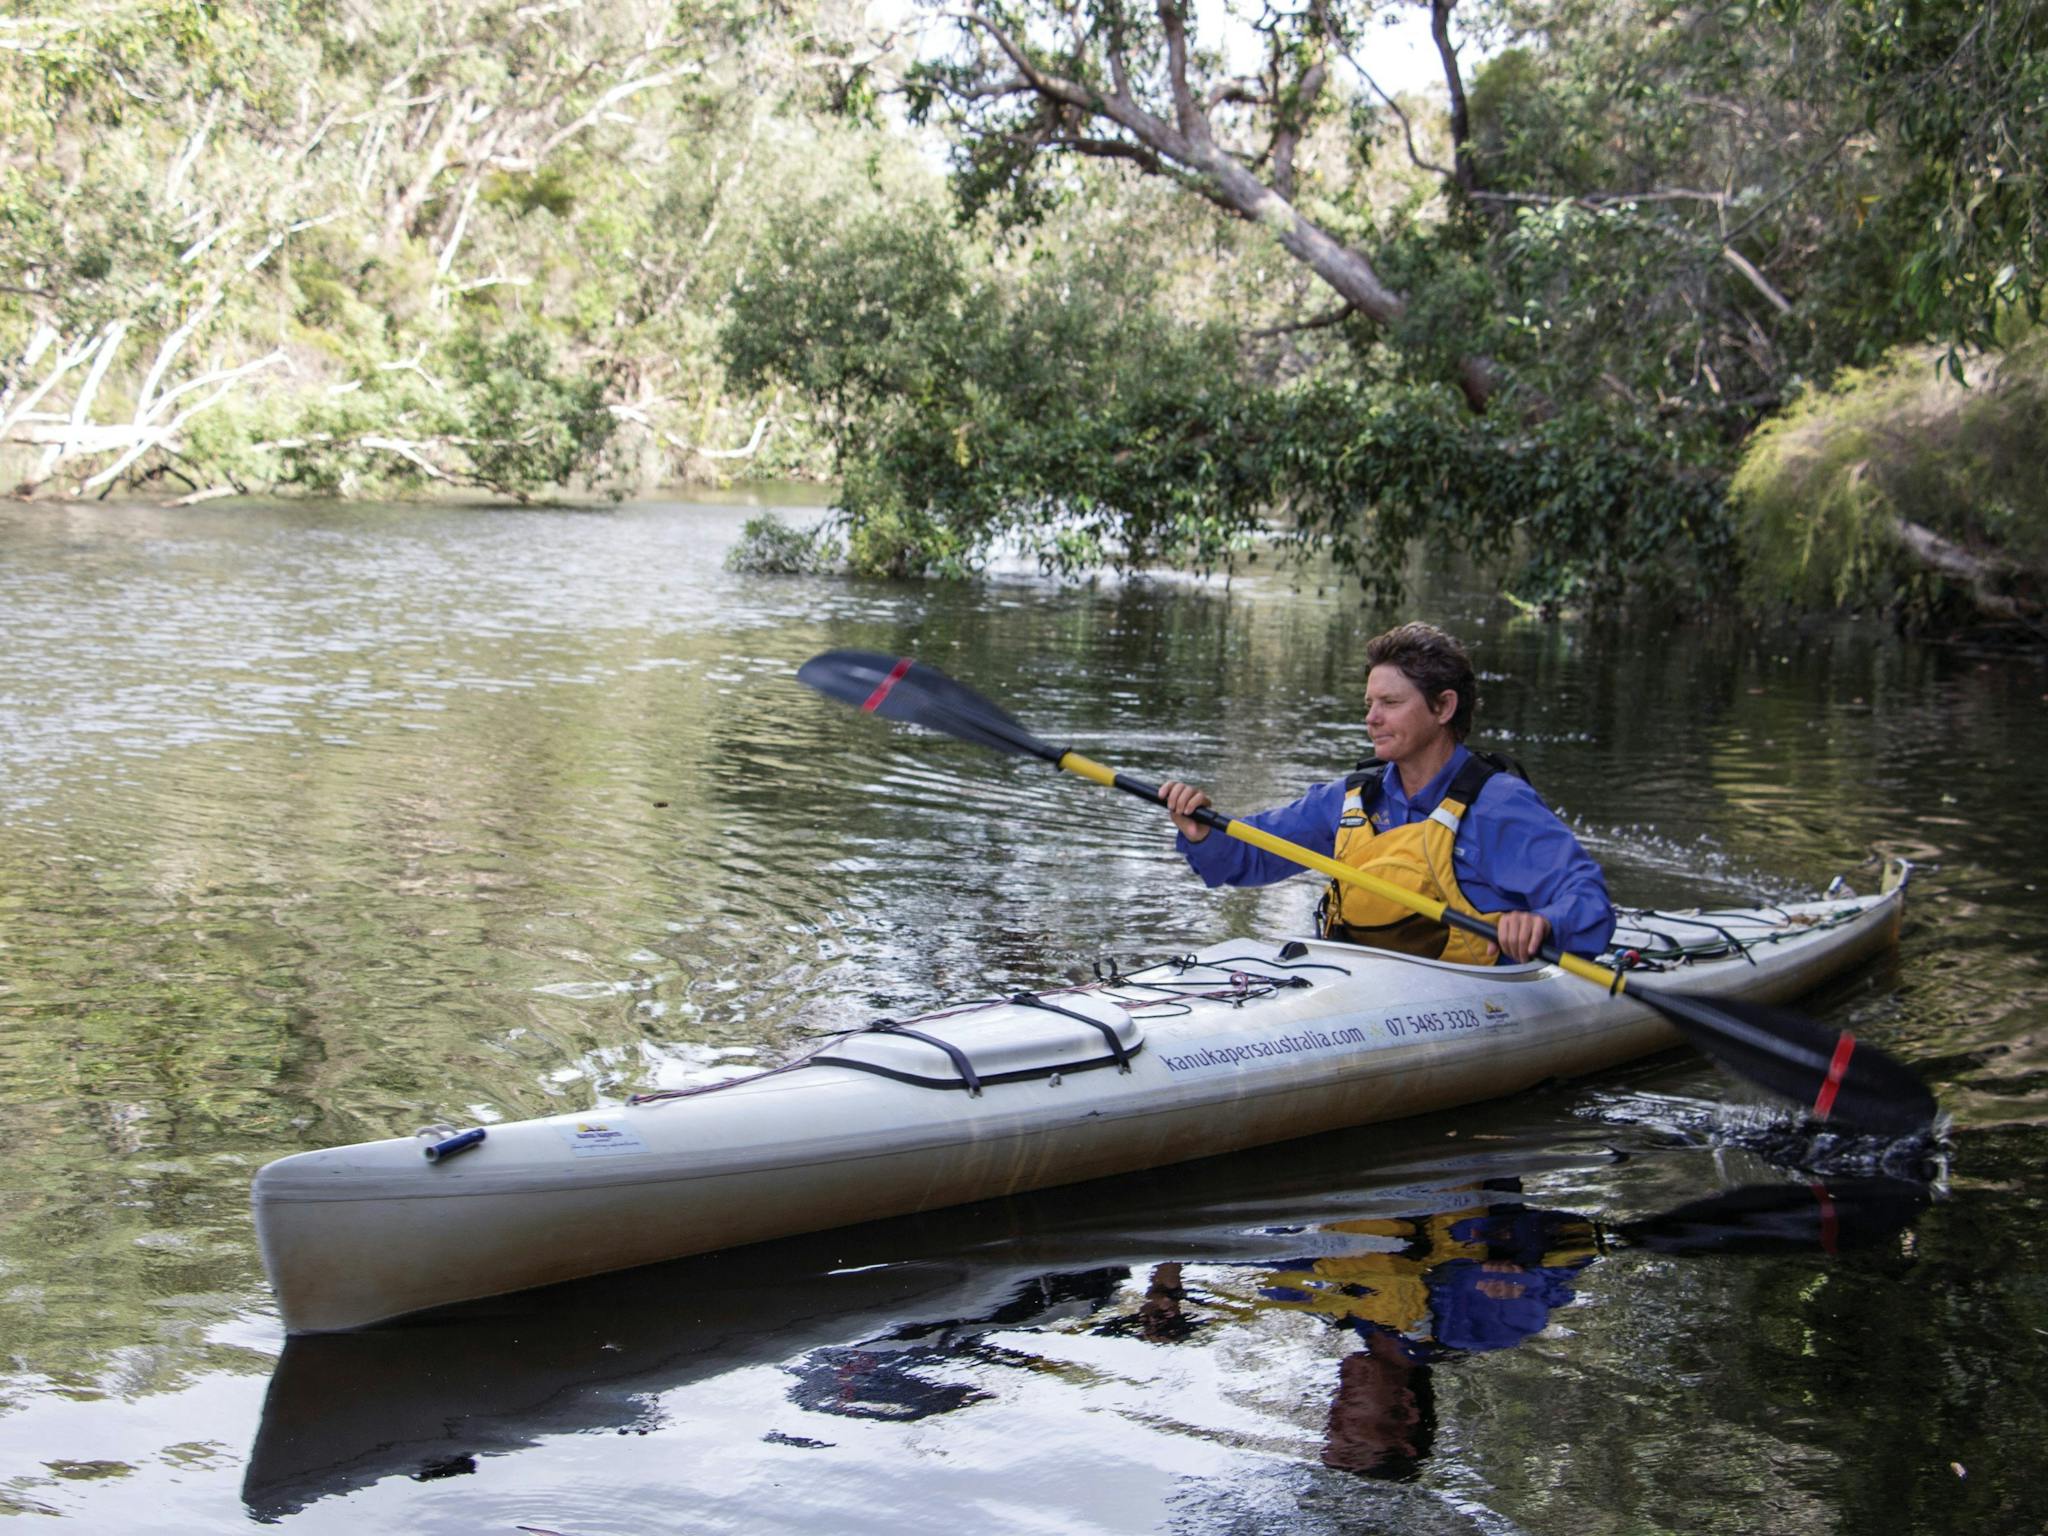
{"x": 770, "y": 547}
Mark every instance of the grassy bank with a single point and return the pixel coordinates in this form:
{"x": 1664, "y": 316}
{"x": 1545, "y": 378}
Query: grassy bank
{"x": 1907, "y": 491}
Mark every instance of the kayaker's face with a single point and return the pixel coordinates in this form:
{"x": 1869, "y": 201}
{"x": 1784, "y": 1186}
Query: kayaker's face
{"x": 1400, "y": 720}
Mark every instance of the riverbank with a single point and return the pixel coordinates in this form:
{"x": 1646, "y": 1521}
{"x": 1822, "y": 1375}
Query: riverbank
{"x": 1912, "y": 490}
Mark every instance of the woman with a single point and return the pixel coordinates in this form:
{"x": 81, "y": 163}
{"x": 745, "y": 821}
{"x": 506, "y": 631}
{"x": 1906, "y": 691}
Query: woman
{"x": 1428, "y": 815}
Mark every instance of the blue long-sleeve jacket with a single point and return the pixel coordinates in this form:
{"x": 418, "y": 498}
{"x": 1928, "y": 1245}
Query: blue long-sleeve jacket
{"x": 1513, "y": 854}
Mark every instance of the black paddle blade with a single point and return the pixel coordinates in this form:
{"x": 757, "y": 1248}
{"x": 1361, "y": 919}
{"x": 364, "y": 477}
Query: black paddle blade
{"x": 897, "y": 688}
{"x": 1830, "y": 1216}
{"x": 1839, "y": 1078}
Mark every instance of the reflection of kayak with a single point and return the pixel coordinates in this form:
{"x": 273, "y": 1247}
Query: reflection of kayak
{"x": 1238, "y": 1046}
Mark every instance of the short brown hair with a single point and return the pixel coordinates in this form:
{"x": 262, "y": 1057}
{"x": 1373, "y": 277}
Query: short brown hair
{"x": 1433, "y": 662}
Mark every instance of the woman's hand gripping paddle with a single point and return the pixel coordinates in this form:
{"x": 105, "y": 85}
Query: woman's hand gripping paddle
{"x": 1837, "y": 1077}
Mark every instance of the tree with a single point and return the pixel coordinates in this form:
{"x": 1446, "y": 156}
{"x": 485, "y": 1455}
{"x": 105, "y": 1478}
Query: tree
{"x": 1110, "y": 80}
{"x": 358, "y": 203}
{"x": 1960, "y": 90}
{"x": 1061, "y": 411}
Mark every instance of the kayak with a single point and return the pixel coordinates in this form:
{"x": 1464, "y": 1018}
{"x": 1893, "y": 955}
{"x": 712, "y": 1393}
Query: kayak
{"x": 1236, "y": 1045}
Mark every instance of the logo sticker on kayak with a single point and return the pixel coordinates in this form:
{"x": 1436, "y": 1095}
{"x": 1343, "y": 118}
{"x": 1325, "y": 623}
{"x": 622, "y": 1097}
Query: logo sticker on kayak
{"x": 1490, "y": 1014}
{"x": 601, "y": 1138}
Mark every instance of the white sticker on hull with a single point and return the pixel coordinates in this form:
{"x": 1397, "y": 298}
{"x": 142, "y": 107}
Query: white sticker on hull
{"x": 1229, "y": 1051}
{"x": 1490, "y": 1013}
{"x": 601, "y": 1138}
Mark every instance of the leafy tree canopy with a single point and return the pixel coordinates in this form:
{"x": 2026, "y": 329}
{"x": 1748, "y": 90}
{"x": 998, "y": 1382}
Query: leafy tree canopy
{"x": 272, "y": 245}
{"x": 1640, "y": 227}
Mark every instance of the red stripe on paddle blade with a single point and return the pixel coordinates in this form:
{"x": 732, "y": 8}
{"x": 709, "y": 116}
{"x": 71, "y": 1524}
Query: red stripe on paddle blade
{"x": 896, "y": 675}
{"x": 1841, "y": 1215}
{"x": 1830, "y": 1230}
{"x": 1838, "y": 1068}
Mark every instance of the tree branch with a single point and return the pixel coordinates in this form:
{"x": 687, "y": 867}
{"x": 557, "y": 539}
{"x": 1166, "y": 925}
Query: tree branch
{"x": 1762, "y": 284}
{"x": 1320, "y": 322}
{"x": 1053, "y": 87}
{"x": 64, "y": 363}
{"x": 1596, "y": 201}
{"x": 181, "y": 167}
{"x": 1463, "y": 172}
{"x": 1186, "y": 151}
{"x": 1294, "y": 105}
{"x": 1982, "y": 575}
{"x": 1114, "y": 149}
{"x": 150, "y": 437}
{"x": 1193, "y": 122}
{"x": 1407, "y": 125}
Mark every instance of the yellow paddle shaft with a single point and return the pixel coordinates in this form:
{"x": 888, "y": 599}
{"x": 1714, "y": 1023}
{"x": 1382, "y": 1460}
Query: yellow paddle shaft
{"x": 1414, "y": 901}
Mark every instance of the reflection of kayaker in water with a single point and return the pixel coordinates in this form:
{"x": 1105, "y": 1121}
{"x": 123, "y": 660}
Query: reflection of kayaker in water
{"x": 1431, "y": 816}
{"x": 1446, "y": 1285}
{"x": 1475, "y": 1280}
{"x": 1383, "y": 1416}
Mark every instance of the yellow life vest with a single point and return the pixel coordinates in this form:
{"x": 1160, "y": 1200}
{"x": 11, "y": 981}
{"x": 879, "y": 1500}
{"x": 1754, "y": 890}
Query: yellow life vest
{"x": 1388, "y": 1288}
{"x": 1393, "y": 1288}
{"x": 1416, "y": 857}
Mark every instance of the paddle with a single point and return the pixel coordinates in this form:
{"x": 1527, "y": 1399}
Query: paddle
{"x": 1839, "y": 1078}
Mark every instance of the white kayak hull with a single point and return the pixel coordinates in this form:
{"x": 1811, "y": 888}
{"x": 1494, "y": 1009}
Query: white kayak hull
{"x": 1076, "y": 1090}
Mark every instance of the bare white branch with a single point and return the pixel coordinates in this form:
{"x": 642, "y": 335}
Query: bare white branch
{"x": 414, "y": 364}
{"x": 181, "y": 167}
{"x": 408, "y": 451}
{"x": 63, "y": 364}
{"x": 454, "y": 244}
{"x": 146, "y": 438}
{"x": 200, "y": 246}
{"x": 1762, "y": 284}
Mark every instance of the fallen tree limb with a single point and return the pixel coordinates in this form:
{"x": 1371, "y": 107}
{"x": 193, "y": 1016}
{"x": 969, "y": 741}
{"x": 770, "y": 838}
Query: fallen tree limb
{"x": 753, "y": 444}
{"x": 1985, "y": 576}
{"x": 211, "y": 493}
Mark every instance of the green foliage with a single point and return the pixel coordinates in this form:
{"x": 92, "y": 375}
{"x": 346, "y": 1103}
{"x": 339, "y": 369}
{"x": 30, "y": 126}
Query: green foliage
{"x": 855, "y": 320}
{"x": 1059, "y": 412}
{"x": 1960, "y": 90}
{"x": 530, "y": 424}
{"x": 552, "y": 188}
{"x": 106, "y": 62}
{"x": 770, "y": 547}
{"x": 584, "y": 244}
{"x": 504, "y": 419}
{"x": 1877, "y": 164}
{"x": 532, "y": 216}
{"x": 1573, "y": 510}
{"x": 1822, "y": 488}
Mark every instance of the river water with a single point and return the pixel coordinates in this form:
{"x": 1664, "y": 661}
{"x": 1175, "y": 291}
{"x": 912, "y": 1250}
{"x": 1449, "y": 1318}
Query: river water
{"x": 320, "y": 823}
